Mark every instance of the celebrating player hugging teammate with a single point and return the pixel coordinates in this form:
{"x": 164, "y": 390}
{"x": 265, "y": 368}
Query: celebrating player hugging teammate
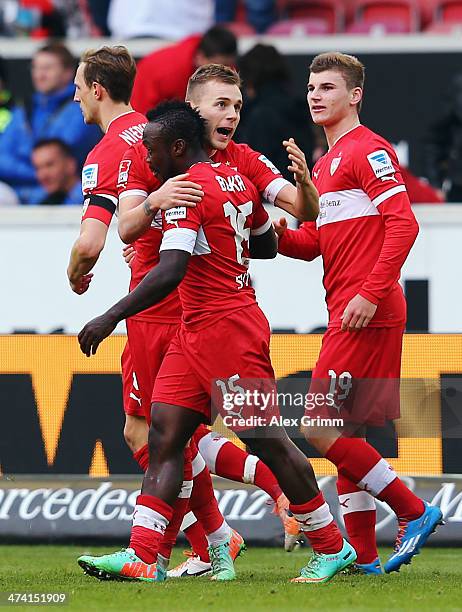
{"x": 217, "y": 216}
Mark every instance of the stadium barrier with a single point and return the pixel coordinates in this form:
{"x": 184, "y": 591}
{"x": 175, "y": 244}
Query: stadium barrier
{"x": 62, "y": 509}
{"x": 290, "y": 292}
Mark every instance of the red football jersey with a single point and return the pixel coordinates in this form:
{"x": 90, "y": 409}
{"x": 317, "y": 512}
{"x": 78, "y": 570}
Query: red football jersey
{"x": 136, "y": 178}
{"x": 216, "y": 233}
{"x": 365, "y": 227}
{"x": 255, "y": 166}
{"x": 101, "y": 169}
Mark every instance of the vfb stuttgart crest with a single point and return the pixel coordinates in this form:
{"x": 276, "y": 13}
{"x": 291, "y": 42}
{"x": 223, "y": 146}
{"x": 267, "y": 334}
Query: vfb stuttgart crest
{"x": 335, "y": 164}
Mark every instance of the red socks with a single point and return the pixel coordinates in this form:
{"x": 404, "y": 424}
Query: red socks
{"x": 141, "y": 456}
{"x": 359, "y": 462}
{"x": 317, "y": 523}
{"x": 150, "y": 521}
{"x": 359, "y": 514}
{"x": 180, "y": 508}
{"x": 265, "y": 479}
{"x": 153, "y": 518}
{"x": 204, "y": 504}
{"x": 235, "y": 464}
{"x": 197, "y": 539}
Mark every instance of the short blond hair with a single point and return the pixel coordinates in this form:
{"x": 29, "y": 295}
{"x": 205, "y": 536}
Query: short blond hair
{"x": 212, "y": 72}
{"x": 349, "y": 66}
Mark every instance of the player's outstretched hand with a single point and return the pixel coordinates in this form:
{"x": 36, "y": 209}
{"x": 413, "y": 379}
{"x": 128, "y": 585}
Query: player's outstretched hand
{"x": 298, "y": 163}
{"x": 280, "y": 226}
{"x": 94, "y": 332}
{"x": 128, "y": 253}
{"x": 358, "y": 313}
{"x": 82, "y": 284}
{"x": 177, "y": 191}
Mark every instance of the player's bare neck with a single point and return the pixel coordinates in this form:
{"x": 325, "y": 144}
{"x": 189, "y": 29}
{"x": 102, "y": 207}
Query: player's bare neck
{"x": 335, "y": 131}
{"x": 110, "y": 111}
{"x": 194, "y": 158}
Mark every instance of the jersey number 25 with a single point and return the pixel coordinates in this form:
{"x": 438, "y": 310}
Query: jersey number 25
{"x": 237, "y": 217}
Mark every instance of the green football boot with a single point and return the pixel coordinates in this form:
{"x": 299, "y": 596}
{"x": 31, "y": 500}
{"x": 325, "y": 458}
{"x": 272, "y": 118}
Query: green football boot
{"x": 121, "y": 565}
{"x": 322, "y": 567}
{"x": 222, "y": 562}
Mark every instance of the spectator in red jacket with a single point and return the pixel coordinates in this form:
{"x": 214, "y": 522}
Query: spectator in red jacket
{"x": 164, "y": 74}
{"x": 419, "y": 190}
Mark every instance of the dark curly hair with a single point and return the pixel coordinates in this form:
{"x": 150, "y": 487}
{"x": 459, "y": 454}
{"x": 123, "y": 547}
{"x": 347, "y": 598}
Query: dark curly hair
{"x": 179, "y": 120}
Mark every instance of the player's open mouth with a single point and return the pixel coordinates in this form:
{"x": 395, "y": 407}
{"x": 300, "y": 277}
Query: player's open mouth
{"x": 224, "y": 131}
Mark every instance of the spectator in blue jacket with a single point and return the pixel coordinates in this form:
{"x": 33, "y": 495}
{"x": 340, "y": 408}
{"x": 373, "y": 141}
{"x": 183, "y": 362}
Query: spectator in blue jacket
{"x": 56, "y": 169}
{"x": 260, "y": 13}
{"x": 50, "y": 113}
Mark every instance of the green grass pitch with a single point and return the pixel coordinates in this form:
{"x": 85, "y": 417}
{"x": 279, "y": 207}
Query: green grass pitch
{"x": 431, "y": 582}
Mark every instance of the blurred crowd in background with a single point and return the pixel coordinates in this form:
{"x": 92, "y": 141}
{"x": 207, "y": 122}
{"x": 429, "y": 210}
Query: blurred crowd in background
{"x": 44, "y": 141}
{"x": 174, "y": 19}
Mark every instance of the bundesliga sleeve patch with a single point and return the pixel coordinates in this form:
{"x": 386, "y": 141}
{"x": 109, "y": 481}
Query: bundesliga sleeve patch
{"x": 174, "y": 214}
{"x": 89, "y": 177}
{"x": 269, "y": 164}
{"x": 381, "y": 163}
{"x": 123, "y": 172}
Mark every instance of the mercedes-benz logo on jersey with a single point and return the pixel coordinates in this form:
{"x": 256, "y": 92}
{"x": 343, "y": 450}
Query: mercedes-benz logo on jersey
{"x": 335, "y": 164}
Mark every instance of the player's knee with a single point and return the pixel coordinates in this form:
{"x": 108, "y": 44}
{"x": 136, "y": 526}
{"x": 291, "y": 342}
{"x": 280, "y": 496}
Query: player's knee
{"x": 268, "y": 450}
{"x": 161, "y": 436}
{"x": 135, "y": 432}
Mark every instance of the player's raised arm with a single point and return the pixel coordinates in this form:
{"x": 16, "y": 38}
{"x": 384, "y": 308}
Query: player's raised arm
{"x": 141, "y": 195}
{"x": 136, "y": 212}
{"x": 155, "y": 286}
{"x": 263, "y": 240}
{"x": 301, "y": 201}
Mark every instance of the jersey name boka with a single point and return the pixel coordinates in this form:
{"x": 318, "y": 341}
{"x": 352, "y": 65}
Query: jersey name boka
{"x": 137, "y": 179}
{"x": 357, "y": 181}
{"x": 101, "y": 169}
{"x": 216, "y": 233}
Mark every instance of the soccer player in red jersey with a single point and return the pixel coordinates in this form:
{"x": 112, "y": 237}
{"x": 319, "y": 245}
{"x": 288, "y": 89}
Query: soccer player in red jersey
{"x": 215, "y": 91}
{"x": 364, "y": 232}
{"x": 103, "y": 86}
{"x": 222, "y": 343}
{"x": 104, "y": 82}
